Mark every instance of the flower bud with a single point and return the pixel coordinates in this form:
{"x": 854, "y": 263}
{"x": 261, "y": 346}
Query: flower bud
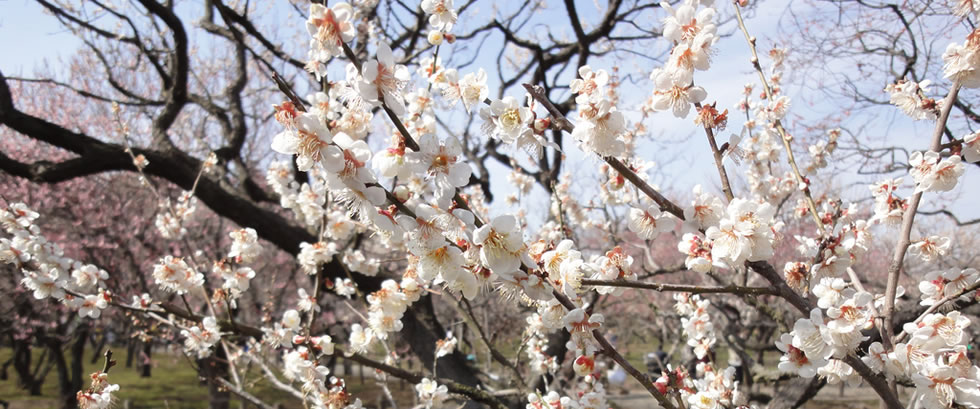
{"x": 584, "y": 365}
{"x": 451, "y": 38}
{"x": 435, "y": 37}
{"x": 540, "y": 125}
{"x": 401, "y": 193}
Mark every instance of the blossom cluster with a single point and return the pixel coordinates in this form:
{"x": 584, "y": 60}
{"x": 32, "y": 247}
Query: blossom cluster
{"x": 99, "y": 394}
{"x": 47, "y": 272}
{"x": 693, "y": 33}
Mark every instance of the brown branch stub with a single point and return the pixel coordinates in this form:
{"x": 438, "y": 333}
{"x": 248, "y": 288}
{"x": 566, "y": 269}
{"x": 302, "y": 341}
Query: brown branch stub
{"x": 109, "y": 362}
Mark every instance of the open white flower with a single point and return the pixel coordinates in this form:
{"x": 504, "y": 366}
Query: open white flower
{"x": 676, "y": 95}
{"x": 685, "y": 22}
{"x": 599, "y": 128}
{"x": 907, "y": 96}
{"x": 244, "y": 245}
{"x": 473, "y": 89}
{"x": 794, "y": 360}
{"x": 309, "y": 141}
{"x": 971, "y": 147}
{"x": 440, "y": 162}
{"x": 200, "y": 338}
{"x": 442, "y": 14}
{"x": 500, "y": 244}
{"x": 941, "y": 387}
{"x": 383, "y": 80}
{"x": 510, "y": 119}
{"x": 431, "y": 393}
{"x": 706, "y": 210}
{"x": 930, "y": 248}
{"x": 329, "y": 27}
{"x": 934, "y": 175}
{"x": 650, "y": 222}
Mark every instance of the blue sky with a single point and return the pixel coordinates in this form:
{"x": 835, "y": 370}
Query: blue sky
{"x": 29, "y": 37}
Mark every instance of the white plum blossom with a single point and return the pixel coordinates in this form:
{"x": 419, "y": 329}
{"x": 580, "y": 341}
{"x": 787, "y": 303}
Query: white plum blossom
{"x": 706, "y": 210}
{"x": 830, "y": 291}
{"x": 473, "y": 89}
{"x": 930, "y": 248}
{"x": 508, "y": 119}
{"x": 441, "y": 163}
{"x": 794, "y": 359}
{"x": 685, "y": 22}
{"x": 501, "y": 244}
{"x": 200, "y": 338}
{"x": 442, "y": 13}
{"x": 676, "y": 95}
{"x": 745, "y": 233}
{"x": 940, "y": 284}
{"x": 446, "y": 346}
{"x": 382, "y": 80}
{"x": 360, "y": 338}
{"x": 650, "y": 222}
{"x": 88, "y": 276}
{"x": 99, "y": 395}
{"x": 311, "y": 256}
{"x": 244, "y": 245}
{"x": 237, "y": 279}
{"x": 934, "y": 175}
{"x": 590, "y": 84}
{"x": 309, "y": 141}
{"x": 942, "y": 387}
{"x": 328, "y": 29}
{"x": 92, "y": 305}
{"x": 173, "y": 274}
{"x": 971, "y": 147}
{"x": 306, "y": 302}
{"x": 580, "y": 325}
{"x": 599, "y": 129}
{"x": 960, "y": 62}
{"x": 908, "y": 96}
{"x": 431, "y": 393}
{"x": 344, "y": 287}
{"x": 698, "y": 251}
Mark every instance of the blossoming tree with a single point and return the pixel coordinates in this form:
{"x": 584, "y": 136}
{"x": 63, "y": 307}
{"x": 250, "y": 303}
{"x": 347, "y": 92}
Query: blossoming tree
{"x": 377, "y": 183}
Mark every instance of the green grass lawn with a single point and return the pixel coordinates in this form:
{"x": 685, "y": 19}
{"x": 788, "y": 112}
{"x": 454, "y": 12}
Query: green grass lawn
{"x": 174, "y": 384}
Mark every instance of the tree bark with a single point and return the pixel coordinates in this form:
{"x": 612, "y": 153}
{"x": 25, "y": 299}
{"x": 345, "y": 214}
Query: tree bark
{"x": 216, "y": 366}
{"x": 22, "y": 365}
{"x": 146, "y": 363}
{"x": 69, "y": 375}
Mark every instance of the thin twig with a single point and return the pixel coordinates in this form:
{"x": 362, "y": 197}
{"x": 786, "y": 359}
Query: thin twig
{"x": 693, "y": 289}
{"x": 800, "y": 180}
{"x": 241, "y": 393}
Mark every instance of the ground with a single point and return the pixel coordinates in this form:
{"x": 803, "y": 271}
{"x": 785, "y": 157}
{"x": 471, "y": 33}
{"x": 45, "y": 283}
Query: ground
{"x": 175, "y": 384}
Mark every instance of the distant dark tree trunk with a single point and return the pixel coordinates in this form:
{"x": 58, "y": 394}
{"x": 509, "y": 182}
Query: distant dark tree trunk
{"x": 99, "y": 344}
{"x": 145, "y": 361}
{"x": 796, "y": 393}
{"x": 69, "y": 376}
{"x": 130, "y": 352}
{"x": 27, "y": 378}
{"x": 214, "y": 367}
